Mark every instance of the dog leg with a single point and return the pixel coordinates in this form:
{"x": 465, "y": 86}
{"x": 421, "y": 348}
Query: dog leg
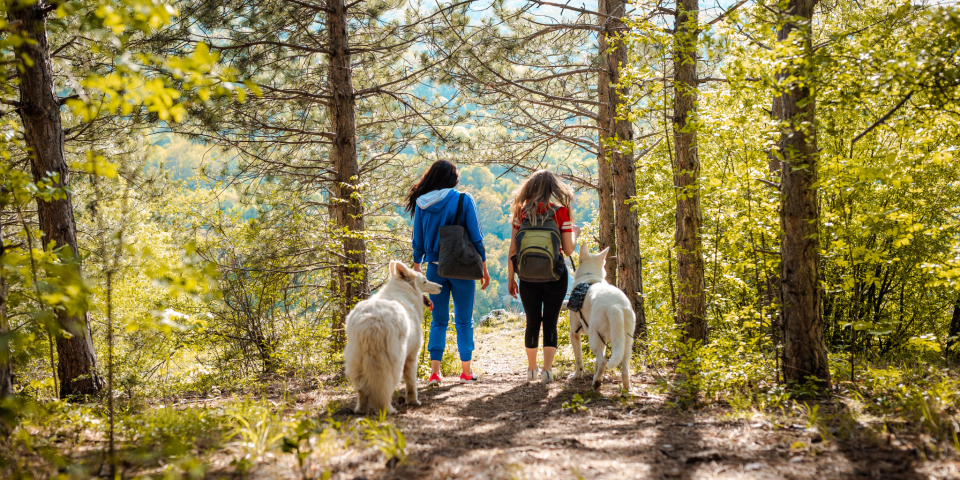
{"x": 383, "y": 401}
{"x": 410, "y": 379}
{"x": 577, "y": 354}
{"x": 600, "y": 351}
{"x": 601, "y": 368}
{"x": 361, "y": 403}
{"x": 625, "y": 367}
{"x": 575, "y": 344}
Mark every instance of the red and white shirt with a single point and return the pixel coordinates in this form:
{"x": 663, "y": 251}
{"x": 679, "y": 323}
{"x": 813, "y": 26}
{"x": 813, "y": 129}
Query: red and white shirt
{"x": 561, "y": 216}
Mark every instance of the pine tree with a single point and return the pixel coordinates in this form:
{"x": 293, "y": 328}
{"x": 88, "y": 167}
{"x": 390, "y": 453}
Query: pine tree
{"x": 527, "y": 71}
{"x": 39, "y": 109}
{"x": 691, "y": 308}
{"x": 340, "y": 109}
{"x": 805, "y": 352}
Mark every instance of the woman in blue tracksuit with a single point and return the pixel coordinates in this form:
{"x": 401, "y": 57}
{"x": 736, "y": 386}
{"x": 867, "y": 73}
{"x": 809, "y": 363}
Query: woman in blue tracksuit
{"x": 433, "y": 203}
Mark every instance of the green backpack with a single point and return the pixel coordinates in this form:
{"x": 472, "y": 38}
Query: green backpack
{"x": 539, "y": 255}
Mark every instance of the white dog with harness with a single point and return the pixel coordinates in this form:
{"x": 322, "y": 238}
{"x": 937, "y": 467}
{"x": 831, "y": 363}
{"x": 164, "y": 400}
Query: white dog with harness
{"x": 606, "y": 315}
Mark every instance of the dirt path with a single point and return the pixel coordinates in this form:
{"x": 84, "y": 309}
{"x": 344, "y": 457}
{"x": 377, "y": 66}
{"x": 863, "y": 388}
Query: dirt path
{"x": 505, "y": 427}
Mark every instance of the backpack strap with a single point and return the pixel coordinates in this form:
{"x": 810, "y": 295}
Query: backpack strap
{"x": 548, "y": 213}
{"x": 459, "y": 220}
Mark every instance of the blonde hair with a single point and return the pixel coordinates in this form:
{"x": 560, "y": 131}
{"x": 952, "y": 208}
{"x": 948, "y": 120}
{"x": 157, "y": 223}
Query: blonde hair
{"x": 540, "y": 187}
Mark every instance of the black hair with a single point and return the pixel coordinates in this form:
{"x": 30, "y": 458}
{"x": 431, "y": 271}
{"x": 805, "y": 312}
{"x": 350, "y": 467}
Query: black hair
{"x": 442, "y": 174}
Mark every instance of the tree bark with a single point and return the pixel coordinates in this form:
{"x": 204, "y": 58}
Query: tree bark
{"x": 629, "y": 275}
{"x": 953, "y": 349}
{"x": 6, "y": 368}
{"x": 690, "y": 271}
{"x": 40, "y": 114}
{"x": 354, "y": 284}
{"x": 774, "y": 288}
{"x": 606, "y": 223}
{"x": 805, "y": 352}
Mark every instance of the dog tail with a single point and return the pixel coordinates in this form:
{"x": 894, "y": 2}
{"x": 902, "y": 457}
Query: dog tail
{"x": 618, "y": 334}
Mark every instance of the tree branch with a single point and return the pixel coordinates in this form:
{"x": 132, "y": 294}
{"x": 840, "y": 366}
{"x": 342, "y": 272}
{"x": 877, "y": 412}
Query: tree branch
{"x": 726, "y": 12}
{"x": 274, "y": 43}
{"x": 560, "y": 5}
{"x": 63, "y": 100}
{"x": 724, "y": 80}
{"x": 768, "y": 183}
{"x": 314, "y": 6}
{"x": 754, "y": 40}
{"x": 881, "y": 120}
{"x": 557, "y": 75}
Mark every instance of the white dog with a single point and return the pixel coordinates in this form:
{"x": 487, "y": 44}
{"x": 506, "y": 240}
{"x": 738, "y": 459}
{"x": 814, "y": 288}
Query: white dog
{"x": 384, "y": 336}
{"x": 606, "y": 316}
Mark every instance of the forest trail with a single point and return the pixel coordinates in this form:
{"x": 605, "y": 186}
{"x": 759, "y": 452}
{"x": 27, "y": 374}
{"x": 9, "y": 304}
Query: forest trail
{"x": 505, "y": 427}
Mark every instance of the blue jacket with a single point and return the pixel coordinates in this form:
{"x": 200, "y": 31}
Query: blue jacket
{"x": 436, "y": 209}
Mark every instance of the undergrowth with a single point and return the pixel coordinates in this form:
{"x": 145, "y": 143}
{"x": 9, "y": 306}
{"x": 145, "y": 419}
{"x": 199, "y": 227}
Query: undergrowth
{"x": 59, "y": 438}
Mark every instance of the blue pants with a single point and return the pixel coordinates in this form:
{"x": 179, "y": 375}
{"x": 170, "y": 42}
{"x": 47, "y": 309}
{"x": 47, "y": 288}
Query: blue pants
{"x": 462, "y": 291}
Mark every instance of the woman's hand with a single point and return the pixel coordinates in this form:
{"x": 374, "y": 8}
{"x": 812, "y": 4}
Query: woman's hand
{"x": 485, "y": 281}
{"x": 514, "y": 288}
{"x": 576, "y": 232}
{"x": 416, "y": 268}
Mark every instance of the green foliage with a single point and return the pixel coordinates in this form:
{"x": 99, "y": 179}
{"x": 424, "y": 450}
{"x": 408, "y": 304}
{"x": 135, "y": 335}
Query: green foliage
{"x": 313, "y": 437}
{"x": 258, "y": 429}
{"x": 688, "y": 383}
{"x": 168, "y": 431}
{"x": 182, "y": 440}
{"x": 576, "y": 404}
{"x": 623, "y": 399}
{"x": 386, "y": 438}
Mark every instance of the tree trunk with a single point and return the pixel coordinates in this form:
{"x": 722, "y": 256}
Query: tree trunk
{"x": 805, "y": 353}
{"x": 268, "y": 354}
{"x": 349, "y": 203}
{"x": 6, "y": 368}
{"x": 606, "y": 223}
{"x": 629, "y": 277}
{"x": 692, "y": 299}
{"x": 953, "y": 345}
{"x": 40, "y": 114}
{"x": 774, "y": 287}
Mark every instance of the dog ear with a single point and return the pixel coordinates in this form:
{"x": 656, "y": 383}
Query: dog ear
{"x": 393, "y": 268}
{"x": 403, "y": 272}
{"x": 583, "y": 250}
{"x": 603, "y": 253}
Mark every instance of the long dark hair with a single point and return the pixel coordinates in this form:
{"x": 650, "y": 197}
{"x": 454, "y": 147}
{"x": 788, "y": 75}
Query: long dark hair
{"x": 442, "y": 174}
{"x": 539, "y": 188}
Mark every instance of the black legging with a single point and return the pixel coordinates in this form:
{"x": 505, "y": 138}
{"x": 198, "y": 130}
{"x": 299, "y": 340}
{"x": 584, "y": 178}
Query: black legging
{"x": 542, "y": 303}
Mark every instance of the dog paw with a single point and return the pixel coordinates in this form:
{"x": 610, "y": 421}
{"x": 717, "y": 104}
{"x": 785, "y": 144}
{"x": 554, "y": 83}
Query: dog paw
{"x": 576, "y": 375}
{"x": 413, "y": 402}
{"x": 596, "y": 384}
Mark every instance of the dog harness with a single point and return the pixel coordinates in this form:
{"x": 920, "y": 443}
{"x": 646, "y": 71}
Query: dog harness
{"x": 575, "y": 303}
{"x": 579, "y": 293}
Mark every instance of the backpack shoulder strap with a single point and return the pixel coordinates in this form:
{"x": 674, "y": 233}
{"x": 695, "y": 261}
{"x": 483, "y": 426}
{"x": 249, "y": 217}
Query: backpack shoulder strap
{"x": 458, "y": 218}
{"x": 549, "y": 213}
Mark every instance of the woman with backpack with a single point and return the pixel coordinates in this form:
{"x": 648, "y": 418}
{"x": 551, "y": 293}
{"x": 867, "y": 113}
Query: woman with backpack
{"x": 433, "y": 203}
{"x": 542, "y": 233}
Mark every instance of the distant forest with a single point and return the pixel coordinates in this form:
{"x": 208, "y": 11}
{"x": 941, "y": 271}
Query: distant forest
{"x": 194, "y": 166}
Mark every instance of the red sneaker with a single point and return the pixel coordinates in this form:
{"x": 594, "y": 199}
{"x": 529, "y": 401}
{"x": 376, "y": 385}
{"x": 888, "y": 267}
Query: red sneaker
{"x": 472, "y": 378}
{"x": 434, "y": 380}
